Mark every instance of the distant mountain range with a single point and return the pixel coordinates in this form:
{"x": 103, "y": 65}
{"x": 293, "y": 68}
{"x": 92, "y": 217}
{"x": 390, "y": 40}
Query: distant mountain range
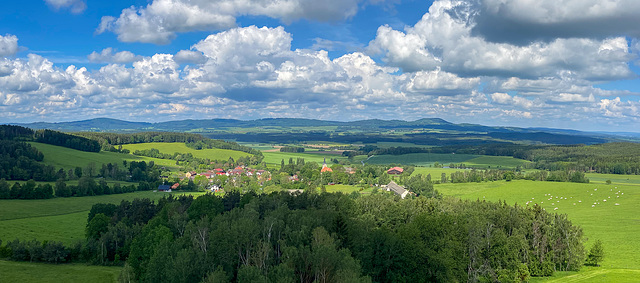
{"x": 279, "y": 129}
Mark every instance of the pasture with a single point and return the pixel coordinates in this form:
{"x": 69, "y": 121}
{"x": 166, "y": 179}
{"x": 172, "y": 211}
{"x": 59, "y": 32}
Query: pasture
{"x": 274, "y": 158}
{"x": 57, "y": 219}
{"x": 428, "y": 159}
{"x": 62, "y": 157}
{"x": 606, "y": 212}
{"x": 11, "y": 271}
{"x": 176, "y": 147}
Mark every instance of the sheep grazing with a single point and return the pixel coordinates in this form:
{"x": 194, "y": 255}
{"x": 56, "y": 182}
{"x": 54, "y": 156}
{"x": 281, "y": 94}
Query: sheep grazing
{"x": 617, "y": 203}
{"x": 593, "y": 205}
{"x": 579, "y": 201}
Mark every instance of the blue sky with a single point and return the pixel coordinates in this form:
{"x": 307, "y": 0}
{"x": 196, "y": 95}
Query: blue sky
{"x": 564, "y": 64}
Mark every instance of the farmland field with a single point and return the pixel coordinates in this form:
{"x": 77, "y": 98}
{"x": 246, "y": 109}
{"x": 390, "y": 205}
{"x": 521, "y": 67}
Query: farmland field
{"x": 421, "y": 159}
{"x": 614, "y": 221}
{"x": 274, "y": 158}
{"x": 428, "y": 159}
{"x": 59, "y": 219}
{"x": 173, "y": 147}
{"x": 11, "y": 271}
{"x": 67, "y": 158}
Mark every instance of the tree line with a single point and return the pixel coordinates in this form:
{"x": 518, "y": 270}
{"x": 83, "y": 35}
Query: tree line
{"x": 310, "y": 237}
{"x": 18, "y": 133}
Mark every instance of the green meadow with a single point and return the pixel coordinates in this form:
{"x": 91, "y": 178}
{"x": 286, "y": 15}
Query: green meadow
{"x": 57, "y": 219}
{"x": 606, "y": 212}
{"x": 62, "y": 157}
{"x": 11, "y": 271}
{"x": 173, "y": 147}
{"x": 428, "y": 159}
{"x": 274, "y": 158}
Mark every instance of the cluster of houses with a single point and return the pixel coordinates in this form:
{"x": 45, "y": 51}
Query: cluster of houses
{"x": 238, "y": 171}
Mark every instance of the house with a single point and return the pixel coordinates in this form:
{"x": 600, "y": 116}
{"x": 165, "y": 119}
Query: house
{"x": 175, "y": 186}
{"x": 349, "y": 170}
{"x": 395, "y": 171}
{"x": 397, "y": 189}
{"x": 164, "y": 188}
{"x": 190, "y": 174}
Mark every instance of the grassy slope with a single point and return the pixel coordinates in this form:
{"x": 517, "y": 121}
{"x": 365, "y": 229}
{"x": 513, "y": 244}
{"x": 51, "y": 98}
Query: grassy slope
{"x": 59, "y": 219}
{"x": 616, "y": 225}
{"x": 67, "y": 158}
{"x": 170, "y": 148}
{"x": 39, "y": 272}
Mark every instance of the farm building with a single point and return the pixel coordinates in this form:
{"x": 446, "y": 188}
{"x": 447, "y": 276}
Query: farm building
{"x": 395, "y": 171}
{"x": 164, "y": 188}
{"x": 397, "y": 189}
{"x": 175, "y": 186}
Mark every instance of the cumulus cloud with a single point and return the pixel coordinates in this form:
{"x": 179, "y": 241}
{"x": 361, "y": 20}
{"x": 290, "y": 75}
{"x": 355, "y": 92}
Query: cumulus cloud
{"x": 444, "y": 38}
{"x": 107, "y": 55}
{"x": 161, "y": 20}
{"x": 504, "y": 98}
{"x": 189, "y": 56}
{"x": 522, "y": 22}
{"x": 617, "y": 108}
{"x": 8, "y": 45}
{"x": 75, "y": 6}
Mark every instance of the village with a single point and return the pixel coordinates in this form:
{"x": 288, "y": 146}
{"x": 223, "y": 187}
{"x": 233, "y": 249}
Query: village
{"x": 246, "y": 178}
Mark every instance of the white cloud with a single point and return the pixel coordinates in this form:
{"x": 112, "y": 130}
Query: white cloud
{"x": 107, "y": 55}
{"x": 573, "y": 97}
{"x": 75, "y": 6}
{"x": 160, "y": 20}
{"x": 189, "y": 56}
{"x": 438, "y": 80}
{"x": 504, "y": 98}
{"x": 616, "y": 108}
{"x": 444, "y": 38}
{"x": 8, "y": 45}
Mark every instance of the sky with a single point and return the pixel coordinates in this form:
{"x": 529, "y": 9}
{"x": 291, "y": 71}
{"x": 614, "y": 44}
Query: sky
{"x": 571, "y": 64}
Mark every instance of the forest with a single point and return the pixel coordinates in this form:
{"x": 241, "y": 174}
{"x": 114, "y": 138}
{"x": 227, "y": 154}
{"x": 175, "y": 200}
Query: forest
{"x": 310, "y": 237}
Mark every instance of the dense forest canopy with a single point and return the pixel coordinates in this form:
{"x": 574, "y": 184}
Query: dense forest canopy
{"x": 333, "y": 238}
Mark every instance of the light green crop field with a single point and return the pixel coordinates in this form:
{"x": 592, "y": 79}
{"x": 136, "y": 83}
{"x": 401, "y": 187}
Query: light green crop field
{"x": 421, "y": 159}
{"x": 274, "y": 158}
{"x": 607, "y": 212}
{"x": 173, "y": 147}
{"x": 67, "y": 158}
{"x": 58, "y": 219}
{"x": 495, "y": 162}
{"x": 11, "y": 271}
{"x": 615, "y": 179}
{"x": 427, "y": 159}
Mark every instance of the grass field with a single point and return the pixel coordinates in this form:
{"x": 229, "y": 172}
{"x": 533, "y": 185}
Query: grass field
{"x": 59, "y": 219}
{"x": 493, "y": 162}
{"x": 616, "y": 225}
{"x": 615, "y": 179}
{"x": 11, "y": 271}
{"x": 421, "y": 159}
{"x": 62, "y": 157}
{"x": 173, "y": 147}
{"x": 274, "y": 158}
{"x": 428, "y": 159}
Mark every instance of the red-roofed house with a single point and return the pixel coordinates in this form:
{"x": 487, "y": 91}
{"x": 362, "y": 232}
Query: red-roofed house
{"x": 395, "y": 171}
